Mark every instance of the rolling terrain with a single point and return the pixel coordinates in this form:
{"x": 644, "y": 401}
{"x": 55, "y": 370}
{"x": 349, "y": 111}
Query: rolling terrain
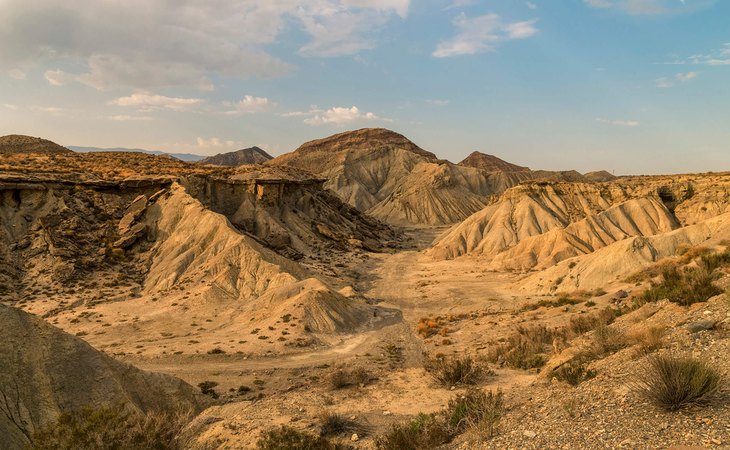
{"x": 331, "y": 280}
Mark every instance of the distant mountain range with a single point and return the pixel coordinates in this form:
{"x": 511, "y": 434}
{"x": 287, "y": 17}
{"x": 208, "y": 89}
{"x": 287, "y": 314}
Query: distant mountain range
{"x": 189, "y": 157}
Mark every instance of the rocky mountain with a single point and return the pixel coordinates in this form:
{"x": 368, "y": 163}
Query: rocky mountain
{"x": 387, "y": 176}
{"x": 251, "y": 155}
{"x": 44, "y": 372}
{"x": 490, "y": 163}
{"x": 15, "y": 143}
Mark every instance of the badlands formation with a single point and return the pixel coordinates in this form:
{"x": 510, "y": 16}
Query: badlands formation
{"x": 359, "y": 292}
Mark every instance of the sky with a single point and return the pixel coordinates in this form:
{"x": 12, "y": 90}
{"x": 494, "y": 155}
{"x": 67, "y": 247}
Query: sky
{"x": 629, "y": 86}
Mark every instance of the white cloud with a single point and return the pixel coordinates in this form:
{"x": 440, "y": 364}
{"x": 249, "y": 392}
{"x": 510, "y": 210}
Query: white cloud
{"x": 531, "y": 5}
{"x": 9, "y": 106}
{"x": 249, "y": 104}
{"x": 59, "y": 77}
{"x": 48, "y": 109}
{"x": 157, "y": 44}
{"x": 665, "y": 82}
{"x": 482, "y": 34}
{"x": 437, "y": 102}
{"x": 217, "y": 143}
{"x": 144, "y": 101}
{"x": 127, "y": 118}
{"x": 599, "y": 3}
{"x": 651, "y": 7}
{"x": 340, "y": 116}
{"x": 619, "y": 123}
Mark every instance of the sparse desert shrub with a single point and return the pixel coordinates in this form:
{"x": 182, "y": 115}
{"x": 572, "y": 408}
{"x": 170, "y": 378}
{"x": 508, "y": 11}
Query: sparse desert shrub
{"x": 450, "y": 371}
{"x": 112, "y": 428}
{"x": 606, "y": 341}
{"x": 216, "y": 351}
{"x": 424, "y": 432}
{"x": 207, "y": 388}
{"x": 477, "y": 410}
{"x": 685, "y": 287}
{"x": 673, "y": 382}
{"x": 573, "y": 373}
{"x": 332, "y": 424}
{"x": 648, "y": 339}
{"x": 288, "y": 438}
{"x": 563, "y": 300}
{"x": 342, "y": 378}
{"x": 525, "y": 349}
{"x": 583, "y": 324}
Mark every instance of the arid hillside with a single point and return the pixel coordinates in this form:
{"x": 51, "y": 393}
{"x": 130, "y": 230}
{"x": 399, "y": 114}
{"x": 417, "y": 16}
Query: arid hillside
{"x": 251, "y": 155}
{"x": 361, "y": 292}
{"x": 44, "y": 372}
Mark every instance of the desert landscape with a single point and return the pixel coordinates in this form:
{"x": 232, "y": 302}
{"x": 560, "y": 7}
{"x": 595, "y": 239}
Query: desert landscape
{"x": 358, "y": 292}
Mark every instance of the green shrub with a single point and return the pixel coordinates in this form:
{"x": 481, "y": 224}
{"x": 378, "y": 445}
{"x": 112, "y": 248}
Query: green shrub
{"x": 673, "y": 382}
{"x": 689, "y": 285}
{"x": 452, "y": 371}
{"x": 288, "y": 438}
{"x": 112, "y": 428}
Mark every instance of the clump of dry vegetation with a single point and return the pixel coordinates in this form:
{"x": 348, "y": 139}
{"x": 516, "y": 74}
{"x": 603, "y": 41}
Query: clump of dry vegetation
{"x": 439, "y": 325}
{"x": 563, "y": 300}
{"x": 573, "y": 372}
{"x": 476, "y": 410}
{"x": 286, "y": 437}
{"x": 342, "y": 378}
{"x": 333, "y": 424}
{"x": 674, "y": 382}
{"x": 110, "y": 428}
{"x": 452, "y": 371}
{"x": 687, "y": 285}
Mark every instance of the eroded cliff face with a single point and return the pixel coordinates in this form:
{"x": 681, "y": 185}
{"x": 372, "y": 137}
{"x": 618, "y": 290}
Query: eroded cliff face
{"x": 296, "y": 217}
{"x": 65, "y": 239}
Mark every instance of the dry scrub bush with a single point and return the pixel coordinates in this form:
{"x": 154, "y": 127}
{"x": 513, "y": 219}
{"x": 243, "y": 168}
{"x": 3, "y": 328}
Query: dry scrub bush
{"x": 450, "y": 371}
{"x": 476, "y": 410}
{"x": 647, "y": 340}
{"x": 342, "y": 378}
{"x": 525, "y": 349}
{"x": 674, "y": 382}
{"x": 573, "y": 373}
{"x": 288, "y": 438}
{"x": 113, "y": 428}
{"x": 333, "y": 424}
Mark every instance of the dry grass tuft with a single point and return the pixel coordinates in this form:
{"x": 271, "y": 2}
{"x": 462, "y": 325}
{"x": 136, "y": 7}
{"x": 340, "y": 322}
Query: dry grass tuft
{"x": 674, "y": 382}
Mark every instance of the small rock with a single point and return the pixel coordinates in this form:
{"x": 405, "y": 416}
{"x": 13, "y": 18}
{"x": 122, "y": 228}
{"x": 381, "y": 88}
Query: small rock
{"x": 529, "y": 434}
{"x": 703, "y": 325}
{"x": 387, "y": 413}
{"x": 622, "y": 294}
{"x": 353, "y": 417}
{"x": 355, "y": 437}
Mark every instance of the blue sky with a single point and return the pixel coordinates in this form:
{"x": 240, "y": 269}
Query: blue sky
{"x": 631, "y": 86}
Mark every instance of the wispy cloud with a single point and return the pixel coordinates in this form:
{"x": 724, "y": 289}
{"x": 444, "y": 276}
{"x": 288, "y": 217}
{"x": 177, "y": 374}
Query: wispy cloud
{"x": 437, "y": 102}
{"x": 482, "y": 34}
{"x": 650, "y": 7}
{"x": 340, "y": 116}
{"x": 248, "y": 104}
{"x": 10, "y": 106}
{"x": 128, "y": 118}
{"x": 665, "y": 82}
{"x": 145, "y": 101}
{"x": 619, "y": 123}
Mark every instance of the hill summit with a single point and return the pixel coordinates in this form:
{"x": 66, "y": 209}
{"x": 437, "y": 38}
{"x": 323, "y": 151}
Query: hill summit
{"x": 365, "y": 138}
{"x": 18, "y": 143}
{"x": 251, "y": 155}
{"x": 491, "y": 163}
